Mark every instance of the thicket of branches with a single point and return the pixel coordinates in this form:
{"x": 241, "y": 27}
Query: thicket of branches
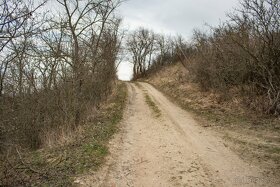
{"x": 148, "y": 51}
{"x": 54, "y": 66}
{"x": 243, "y": 53}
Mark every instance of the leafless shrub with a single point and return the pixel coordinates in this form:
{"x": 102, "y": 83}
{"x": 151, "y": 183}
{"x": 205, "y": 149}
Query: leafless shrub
{"x": 54, "y": 67}
{"x": 243, "y": 52}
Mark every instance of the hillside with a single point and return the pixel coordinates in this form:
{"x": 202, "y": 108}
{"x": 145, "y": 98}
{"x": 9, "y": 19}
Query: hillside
{"x": 255, "y": 137}
{"x": 201, "y": 108}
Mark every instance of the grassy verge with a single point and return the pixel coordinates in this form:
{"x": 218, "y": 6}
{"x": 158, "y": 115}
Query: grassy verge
{"x": 152, "y": 105}
{"x": 150, "y": 102}
{"x": 240, "y": 132}
{"x": 58, "y": 166}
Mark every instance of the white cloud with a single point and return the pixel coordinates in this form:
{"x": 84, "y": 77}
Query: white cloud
{"x": 173, "y": 16}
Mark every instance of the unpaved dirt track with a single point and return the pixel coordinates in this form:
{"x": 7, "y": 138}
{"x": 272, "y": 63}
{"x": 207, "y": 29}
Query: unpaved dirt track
{"x": 170, "y": 150}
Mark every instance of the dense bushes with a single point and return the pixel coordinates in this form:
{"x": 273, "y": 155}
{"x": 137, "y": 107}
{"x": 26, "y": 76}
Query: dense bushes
{"x": 243, "y": 52}
{"x": 54, "y": 67}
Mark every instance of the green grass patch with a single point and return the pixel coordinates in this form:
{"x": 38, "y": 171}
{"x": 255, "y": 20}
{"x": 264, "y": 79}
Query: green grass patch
{"x": 149, "y": 101}
{"x": 152, "y": 105}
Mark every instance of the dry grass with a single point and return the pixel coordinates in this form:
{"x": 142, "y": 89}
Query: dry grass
{"x": 152, "y": 105}
{"x": 253, "y": 136}
{"x": 75, "y": 153}
{"x": 150, "y": 102}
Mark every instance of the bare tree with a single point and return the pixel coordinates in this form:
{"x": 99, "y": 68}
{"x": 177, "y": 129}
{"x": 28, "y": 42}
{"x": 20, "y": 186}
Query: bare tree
{"x": 258, "y": 23}
{"x": 13, "y": 21}
{"x": 53, "y": 70}
{"x": 85, "y": 22}
{"x": 141, "y": 45}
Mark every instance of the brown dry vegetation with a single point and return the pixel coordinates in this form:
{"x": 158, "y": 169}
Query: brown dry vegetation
{"x": 54, "y": 67}
{"x": 73, "y": 154}
{"x": 255, "y": 137}
{"x": 57, "y": 69}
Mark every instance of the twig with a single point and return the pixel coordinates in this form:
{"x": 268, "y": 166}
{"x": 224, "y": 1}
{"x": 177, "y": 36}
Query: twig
{"x": 27, "y": 167}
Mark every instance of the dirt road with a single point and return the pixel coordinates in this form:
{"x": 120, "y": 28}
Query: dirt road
{"x": 168, "y": 150}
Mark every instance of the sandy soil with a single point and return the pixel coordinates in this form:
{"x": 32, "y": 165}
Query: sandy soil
{"x": 170, "y": 150}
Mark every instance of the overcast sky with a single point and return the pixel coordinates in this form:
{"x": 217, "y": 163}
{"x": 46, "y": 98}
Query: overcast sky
{"x": 172, "y": 17}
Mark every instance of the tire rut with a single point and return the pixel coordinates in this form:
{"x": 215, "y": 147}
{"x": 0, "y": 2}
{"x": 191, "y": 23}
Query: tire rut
{"x": 171, "y": 150}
